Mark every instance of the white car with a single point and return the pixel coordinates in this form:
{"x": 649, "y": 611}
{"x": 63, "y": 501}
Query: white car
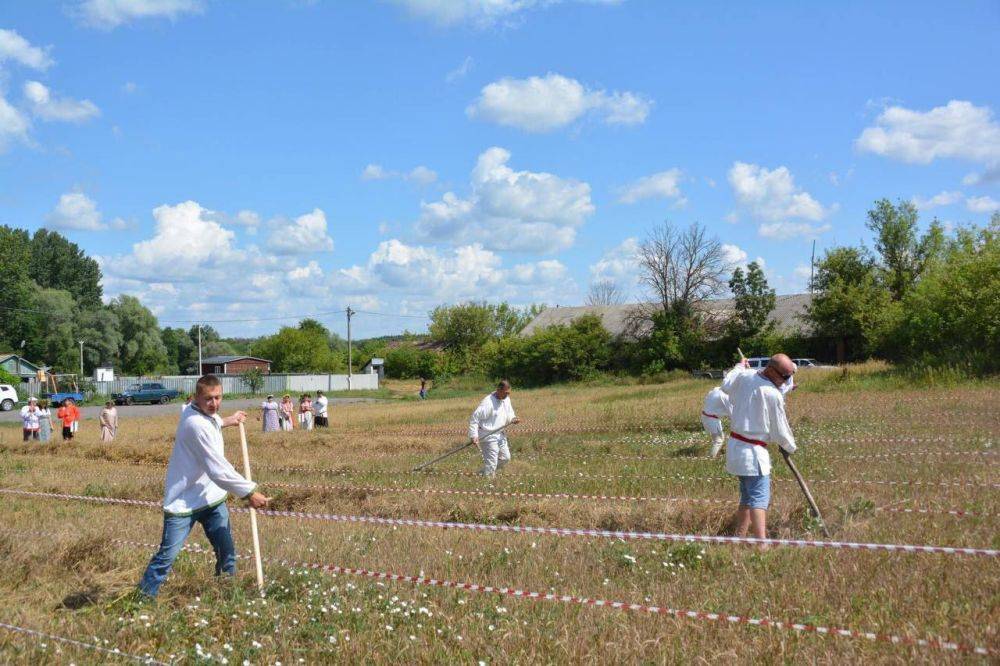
{"x": 8, "y": 397}
{"x": 810, "y": 363}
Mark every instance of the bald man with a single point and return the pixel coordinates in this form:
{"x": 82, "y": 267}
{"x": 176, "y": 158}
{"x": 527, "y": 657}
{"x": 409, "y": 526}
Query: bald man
{"x": 758, "y": 418}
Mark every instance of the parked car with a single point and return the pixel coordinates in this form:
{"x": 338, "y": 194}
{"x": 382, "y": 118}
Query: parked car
{"x": 810, "y": 363}
{"x": 8, "y": 397}
{"x": 151, "y": 393}
{"x": 758, "y": 362}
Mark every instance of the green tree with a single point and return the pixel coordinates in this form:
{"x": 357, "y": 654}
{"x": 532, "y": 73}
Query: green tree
{"x": 467, "y": 327}
{"x": 849, "y": 304}
{"x": 57, "y": 263}
{"x": 903, "y": 254}
{"x": 16, "y": 288}
{"x": 182, "y": 353}
{"x": 99, "y": 329}
{"x": 253, "y": 379}
{"x": 52, "y": 341}
{"x": 295, "y": 350}
{"x": 142, "y": 351}
{"x": 753, "y": 302}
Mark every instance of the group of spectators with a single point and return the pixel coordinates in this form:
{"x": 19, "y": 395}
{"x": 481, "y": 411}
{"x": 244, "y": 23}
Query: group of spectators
{"x": 282, "y": 416}
{"x": 37, "y": 424}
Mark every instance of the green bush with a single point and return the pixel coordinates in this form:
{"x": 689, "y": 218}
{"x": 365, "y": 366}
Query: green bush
{"x": 410, "y": 362}
{"x": 7, "y": 378}
{"x": 553, "y": 354}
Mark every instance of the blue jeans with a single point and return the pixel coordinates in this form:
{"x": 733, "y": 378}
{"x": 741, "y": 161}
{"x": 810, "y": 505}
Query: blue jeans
{"x": 215, "y": 521}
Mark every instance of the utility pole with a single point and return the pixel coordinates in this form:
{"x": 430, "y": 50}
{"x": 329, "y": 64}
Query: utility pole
{"x": 812, "y": 267}
{"x": 81, "y": 360}
{"x": 350, "y": 355}
{"x": 198, "y": 373}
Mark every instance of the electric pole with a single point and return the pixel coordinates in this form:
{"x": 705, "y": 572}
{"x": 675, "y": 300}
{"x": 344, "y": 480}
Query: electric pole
{"x": 350, "y": 354}
{"x": 198, "y": 373}
{"x": 81, "y": 360}
{"x": 812, "y": 267}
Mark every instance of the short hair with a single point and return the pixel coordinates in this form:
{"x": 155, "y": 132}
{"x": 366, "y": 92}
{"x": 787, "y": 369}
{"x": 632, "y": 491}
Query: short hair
{"x": 503, "y": 384}
{"x": 206, "y": 382}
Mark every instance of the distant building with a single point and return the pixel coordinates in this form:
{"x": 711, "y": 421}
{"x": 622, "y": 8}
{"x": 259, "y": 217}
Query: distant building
{"x": 376, "y": 366}
{"x": 787, "y": 315}
{"x": 233, "y": 365}
{"x": 19, "y": 367}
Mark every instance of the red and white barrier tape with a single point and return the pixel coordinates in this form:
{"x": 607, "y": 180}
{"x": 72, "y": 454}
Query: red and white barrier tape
{"x": 730, "y": 618}
{"x": 556, "y": 531}
{"x": 592, "y": 455}
{"x": 72, "y": 641}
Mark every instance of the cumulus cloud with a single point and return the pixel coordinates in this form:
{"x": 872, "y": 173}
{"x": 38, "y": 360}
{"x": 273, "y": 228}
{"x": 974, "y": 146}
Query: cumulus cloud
{"x": 943, "y": 198}
{"x": 420, "y": 174}
{"x": 733, "y": 255}
{"x": 982, "y": 204}
{"x": 989, "y": 176}
{"x": 480, "y": 13}
{"x": 509, "y": 210}
{"x": 542, "y": 104}
{"x": 303, "y": 235}
{"x": 75, "y": 210}
{"x": 48, "y": 107}
{"x": 109, "y": 14}
{"x": 662, "y": 185}
{"x": 619, "y": 265}
{"x": 958, "y": 130}
{"x": 16, "y": 48}
{"x": 773, "y": 197}
{"x": 14, "y": 125}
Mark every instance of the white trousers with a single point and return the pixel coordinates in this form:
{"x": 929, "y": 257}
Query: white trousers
{"x": 496, "y": 454}
{"x": 714, "y": 429}
{"x": 306, "y": 420}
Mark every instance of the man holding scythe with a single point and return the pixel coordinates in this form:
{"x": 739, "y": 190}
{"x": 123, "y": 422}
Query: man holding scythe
{"x": 758, "y": 418}
{"x": 494, "y": 412}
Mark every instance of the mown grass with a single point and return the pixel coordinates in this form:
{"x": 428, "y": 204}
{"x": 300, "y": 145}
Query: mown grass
{"x": 639, "y": 440}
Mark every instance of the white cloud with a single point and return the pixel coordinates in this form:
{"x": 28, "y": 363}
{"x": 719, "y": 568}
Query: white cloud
{"x": 129, "y": 88}
{"x": 990, "y": 175}
{"x": 13, "y": 124}
{"x": 420, "y": 174}
{"x": 480, "y": 13}
{"x": 542, "y": 104}
{"x": 772, "y": 195}
{"x": 957, "y": 130}
{"x": 620, "y": 265}
{"x": 733, "y": 255}
{"x": 982, "y": 204}
{"x": 545, "y": 272}
{"x": 303, "y": 235}
{"x": 76, "y": 210}
{"x": 662, "y": 185}
{"x": 509, "y": 210}
{"x": 943, "y": 198}
{"x": 47, "y": 107}
{"x": 15, "y": 47}
{"x": 110, "y": 14}
{"x": 461, "y": 71}
{"x": 788, "y": 230}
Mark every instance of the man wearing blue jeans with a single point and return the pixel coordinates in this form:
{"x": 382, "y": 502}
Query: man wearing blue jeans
{"x": 199, "y": 480}
{"x": 758, "y": 418}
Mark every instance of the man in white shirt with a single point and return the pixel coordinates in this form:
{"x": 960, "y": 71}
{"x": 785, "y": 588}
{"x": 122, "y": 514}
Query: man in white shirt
{"x": 199, "y": 479}
{"x": 716, "y": 406}
{"x": 320, "y": 410}
{"x": 495, "y": 411}
{"x": 758, "y": 418}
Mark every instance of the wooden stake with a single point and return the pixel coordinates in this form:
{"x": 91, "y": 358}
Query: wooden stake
{"x": 805, "y": 491}
{"x": 253, "y": 513}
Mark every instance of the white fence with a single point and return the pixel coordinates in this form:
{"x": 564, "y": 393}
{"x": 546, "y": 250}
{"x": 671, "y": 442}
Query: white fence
{"x": 274, "y": 383}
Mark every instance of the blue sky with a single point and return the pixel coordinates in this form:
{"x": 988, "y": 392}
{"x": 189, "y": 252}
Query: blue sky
{"x": 256, "y": 160}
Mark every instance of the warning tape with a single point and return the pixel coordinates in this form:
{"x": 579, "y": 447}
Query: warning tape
{"x": 726, "y": 618}
{"x": 591, "y": 455}
{"x": 72, "y": 641}
{"x": 556, "y": 531}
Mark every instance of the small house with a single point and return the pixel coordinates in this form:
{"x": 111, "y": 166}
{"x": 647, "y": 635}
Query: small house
{"x": 233, "y": 365}
{"x": 19, "y": 366}
{"x": 376, "y": 366}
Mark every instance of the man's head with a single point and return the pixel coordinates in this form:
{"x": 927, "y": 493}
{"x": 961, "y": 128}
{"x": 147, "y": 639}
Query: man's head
{"x": 208, "y": 394}
{"x": 503, "y": 389}
{"x": 69, "y": 402}
{"x": 779, "y": 369}
{"x": 319, "y": 394}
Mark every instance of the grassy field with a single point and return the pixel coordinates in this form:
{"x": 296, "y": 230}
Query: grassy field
{"x": 876, "y": 453}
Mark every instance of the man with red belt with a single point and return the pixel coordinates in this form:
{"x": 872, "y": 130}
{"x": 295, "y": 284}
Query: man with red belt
{"x": 758, "y": 418}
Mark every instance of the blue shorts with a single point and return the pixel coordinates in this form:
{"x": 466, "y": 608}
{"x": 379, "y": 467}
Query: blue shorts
{"x": 755, "y": 491}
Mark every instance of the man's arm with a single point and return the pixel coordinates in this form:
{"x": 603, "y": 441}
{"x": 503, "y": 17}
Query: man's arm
{"x": 780, "y": 431}
{"x": 733, "y": 376}
{"x": 215, "y": 465}
{"x": 477, "y": 416}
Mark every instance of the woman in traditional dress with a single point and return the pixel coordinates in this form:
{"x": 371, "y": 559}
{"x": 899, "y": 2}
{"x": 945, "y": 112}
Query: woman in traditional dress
{"x": 109, "y": 422}
{"x": 269, "y": 414}
{"x": 45, "y": 424}
{"x": 306, "y": 412}
{"x": 287, "y": 409}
